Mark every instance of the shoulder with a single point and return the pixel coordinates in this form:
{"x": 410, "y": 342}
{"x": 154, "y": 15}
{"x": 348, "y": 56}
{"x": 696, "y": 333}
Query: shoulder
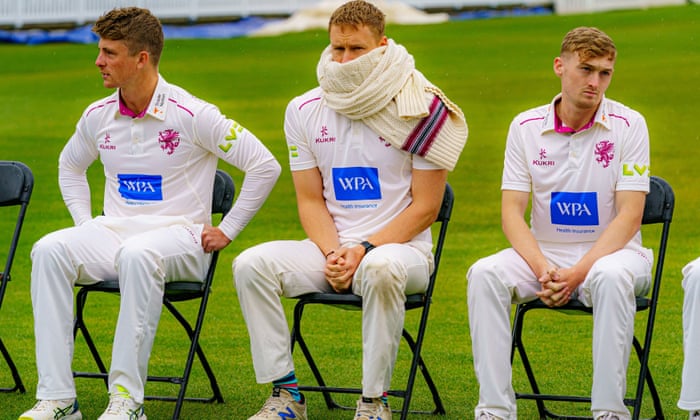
{"x": 109, "y": 104}
{"x": 307, "y": 102}
{"x": 619, "y": 113}
{"x": 532, "y": 117}
{"x": 182, "y": 100}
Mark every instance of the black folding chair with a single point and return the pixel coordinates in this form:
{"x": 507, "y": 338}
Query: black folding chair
{"x": 16, "y": 184}
{"x": 658, "y": 209}
{"x": 224, "y": 190}
{"x": 354, "y": 302}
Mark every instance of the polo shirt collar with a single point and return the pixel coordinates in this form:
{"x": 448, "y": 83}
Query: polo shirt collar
{"x": 550, "y": 122}
{"x": 156, "y": 109}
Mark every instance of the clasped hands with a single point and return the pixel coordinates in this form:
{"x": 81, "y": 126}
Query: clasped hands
{"x": 555, "y": 292}
{"x": 341, "y": 265}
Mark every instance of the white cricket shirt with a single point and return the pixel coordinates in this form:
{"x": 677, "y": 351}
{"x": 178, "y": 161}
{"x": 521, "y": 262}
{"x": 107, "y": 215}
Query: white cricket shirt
{"x": 573, "y": 177}
{"x": 366, "y": 181}
{"x": 163, "y": 162}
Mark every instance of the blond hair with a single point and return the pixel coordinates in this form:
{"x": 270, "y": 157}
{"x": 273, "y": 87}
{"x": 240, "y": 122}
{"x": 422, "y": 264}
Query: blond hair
{"x": 137, "y": 27}
{"x": 357, "y": 13}
{"x": 588, "y": 42}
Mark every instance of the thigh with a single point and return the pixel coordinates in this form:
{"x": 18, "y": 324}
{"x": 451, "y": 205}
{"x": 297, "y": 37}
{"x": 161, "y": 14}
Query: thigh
{"x": 177, "y": 248}
{"x": 403, "y": 262}
{"x": 627, "y": 265}
{"x": 511, "y": 270}
{"x": 295, "y": 267}
{"x": 90, "y": 248}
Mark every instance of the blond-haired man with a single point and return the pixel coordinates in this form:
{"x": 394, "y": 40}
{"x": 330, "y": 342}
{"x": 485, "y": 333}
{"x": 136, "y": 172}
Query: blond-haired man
{"x": 583, "y": 160}
{"x": 365, "y": 202}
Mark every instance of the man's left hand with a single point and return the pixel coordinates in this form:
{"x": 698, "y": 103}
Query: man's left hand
{"x": 213, "y": 239}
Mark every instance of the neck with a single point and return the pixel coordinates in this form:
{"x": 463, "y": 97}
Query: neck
{"x": 573, "y": 117}
{"x": 137, "y": 96}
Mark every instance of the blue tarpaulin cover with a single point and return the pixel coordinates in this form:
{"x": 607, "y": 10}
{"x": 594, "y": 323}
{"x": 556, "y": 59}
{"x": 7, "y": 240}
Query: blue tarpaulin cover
{"x": 242, "y": 27}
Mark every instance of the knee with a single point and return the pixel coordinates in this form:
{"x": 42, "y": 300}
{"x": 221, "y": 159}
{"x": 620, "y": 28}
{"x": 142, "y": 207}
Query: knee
{"x": 136, "y": 254}
{"x": 247, "y": 266}
{"x": 611, "y": 279}
{"x": 691, "y": 278}
{"x": 481, "y": 277}
{"x": 381, "y": 274}
{"x": 48, "y": 247}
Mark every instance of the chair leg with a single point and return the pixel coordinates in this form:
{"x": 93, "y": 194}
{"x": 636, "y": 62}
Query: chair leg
{"x": 518, "y": 345}
{"x": 79, "y": 325}
{"x": 298, "y": 338}
{"x": 417, "y": 362}
{"x": 644, "y": 378}
{"x": 19, "y": 386}
{"x": 195, "y": 350}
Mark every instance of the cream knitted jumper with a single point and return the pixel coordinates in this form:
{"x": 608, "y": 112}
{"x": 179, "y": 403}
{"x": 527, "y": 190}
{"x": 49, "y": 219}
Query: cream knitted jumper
{"x": 384, "y": 90}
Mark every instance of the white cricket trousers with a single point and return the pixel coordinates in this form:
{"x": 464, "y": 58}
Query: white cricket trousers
{"x": 690, "y": 386}
{"x": 266, "y": 272}
{"x": 144, "y": 254}
{"x": 500, "y": 280}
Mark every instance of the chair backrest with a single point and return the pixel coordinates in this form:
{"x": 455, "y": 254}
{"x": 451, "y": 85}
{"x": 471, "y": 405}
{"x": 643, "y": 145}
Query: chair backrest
{"x": 443, "y": 218}
{"x": 224, "y": 190}
{"x": 658, "y": 208}
{"x": 16, "y": 184}
{"x": 660, "y": 201}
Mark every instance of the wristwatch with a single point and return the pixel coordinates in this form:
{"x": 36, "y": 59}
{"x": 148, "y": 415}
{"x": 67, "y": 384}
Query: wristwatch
{"x": 368, "y": 246}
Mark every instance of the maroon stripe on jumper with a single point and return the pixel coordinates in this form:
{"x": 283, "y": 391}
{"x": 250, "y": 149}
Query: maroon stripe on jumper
{"x": 421, "y": 138}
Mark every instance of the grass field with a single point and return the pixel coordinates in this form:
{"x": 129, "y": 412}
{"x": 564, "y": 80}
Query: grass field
{"x": 492, "y": 68}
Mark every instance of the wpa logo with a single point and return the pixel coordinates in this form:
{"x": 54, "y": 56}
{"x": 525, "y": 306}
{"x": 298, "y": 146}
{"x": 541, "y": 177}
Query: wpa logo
{"x": 141, "y": 187}
{"x": 356, "y": 183}
{"x": 574, "y": 208}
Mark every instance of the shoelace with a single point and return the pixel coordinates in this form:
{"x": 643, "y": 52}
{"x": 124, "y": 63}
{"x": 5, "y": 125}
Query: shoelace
{"x": 45, "y": 405}
{"x": 369, "y": 410}
{"x": 273, "y": 405}
{"x": 117, "y": 403}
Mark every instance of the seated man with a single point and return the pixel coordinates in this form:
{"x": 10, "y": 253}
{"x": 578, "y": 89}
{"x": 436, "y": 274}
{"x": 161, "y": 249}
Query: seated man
{"x": 584, "y": 159}
{"x": 690, "y": 387}
{"x": 159, "y": 147}
{"x": 365, "y": 205}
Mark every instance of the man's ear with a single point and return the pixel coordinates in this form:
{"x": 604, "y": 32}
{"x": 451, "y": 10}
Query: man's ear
{"x": 557, "y": 66}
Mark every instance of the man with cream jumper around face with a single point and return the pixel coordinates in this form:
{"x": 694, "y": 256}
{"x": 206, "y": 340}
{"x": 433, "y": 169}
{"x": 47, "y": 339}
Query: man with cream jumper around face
{"x": 369, "y": 151}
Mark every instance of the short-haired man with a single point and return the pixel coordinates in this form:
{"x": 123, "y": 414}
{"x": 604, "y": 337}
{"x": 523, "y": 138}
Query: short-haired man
{"x": 584, "y": 160}
{"x": 159, "y": 147}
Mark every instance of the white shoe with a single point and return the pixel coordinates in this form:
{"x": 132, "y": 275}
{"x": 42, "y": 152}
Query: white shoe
{"x": 281, "y": 405}
{"x": 123, "y": 407}
{"x": 53, "y": 410}
{"x": 694, "y": 415}
{"x": 609, "y": 415}
{"x": 485, "y": 415}
{"x": 372, "y": 409}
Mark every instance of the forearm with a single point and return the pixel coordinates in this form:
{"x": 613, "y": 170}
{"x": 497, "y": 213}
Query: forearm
{"x": 76, "y": 194}
{"x": 524, "y": 243}
{"x": 427, "y": 190}
{"x": 319, "y": 226}
{"x": 405, "y": 226}
{"x": 257, "y": 185}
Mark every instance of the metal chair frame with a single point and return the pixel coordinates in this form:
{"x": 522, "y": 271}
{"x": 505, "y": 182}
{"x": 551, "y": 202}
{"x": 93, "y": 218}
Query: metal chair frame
{"x": 658, "y": 210}
{"x": 16, "y": 185}
{"x": 224, "y": 191}
{"x": 354, "y": 302}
